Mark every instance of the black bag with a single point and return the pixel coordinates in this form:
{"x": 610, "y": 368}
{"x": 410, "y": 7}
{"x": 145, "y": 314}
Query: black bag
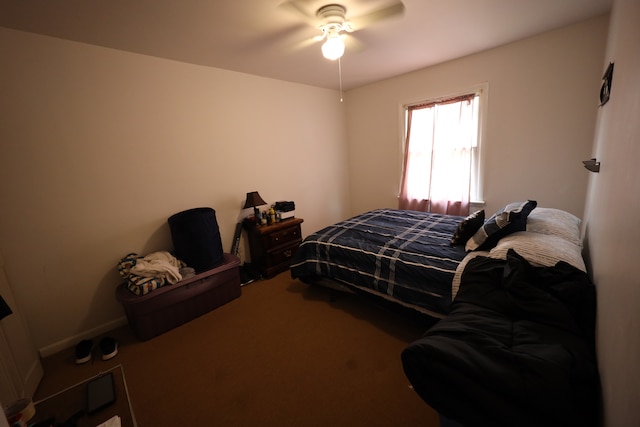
{"x": 196, "y": 238}
{"x": 285, "y": 206}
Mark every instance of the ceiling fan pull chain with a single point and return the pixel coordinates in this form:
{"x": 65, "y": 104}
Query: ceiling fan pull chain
{"x": 340, "y": 76}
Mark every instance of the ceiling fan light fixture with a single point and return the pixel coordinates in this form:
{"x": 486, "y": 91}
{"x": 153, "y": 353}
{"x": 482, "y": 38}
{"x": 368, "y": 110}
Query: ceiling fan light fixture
{"x": 333, "y": 48}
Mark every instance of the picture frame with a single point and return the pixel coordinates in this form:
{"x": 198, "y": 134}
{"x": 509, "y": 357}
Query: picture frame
{"x": 605, "y": 90}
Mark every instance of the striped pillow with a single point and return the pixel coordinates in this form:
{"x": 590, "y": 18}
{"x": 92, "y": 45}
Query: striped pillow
{"x": 543, "y": 250}
{"x": 510, "y": 219}
{"x": 467, "y": 228}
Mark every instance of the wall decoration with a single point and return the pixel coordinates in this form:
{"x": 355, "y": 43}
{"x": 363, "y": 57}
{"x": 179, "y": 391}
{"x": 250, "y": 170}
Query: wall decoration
{"x": 605, "y": 90}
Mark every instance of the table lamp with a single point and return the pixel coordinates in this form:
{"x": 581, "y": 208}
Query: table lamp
{"x": 254, "y": 200}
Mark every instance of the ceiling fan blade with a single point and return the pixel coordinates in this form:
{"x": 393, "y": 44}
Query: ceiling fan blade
{"x": 352, "y": 44}
{"x": 297, "y": 7}
{"x": 304, "y": 44}
{"x": 276, "y": 41}
{"x": 370, "y": 18}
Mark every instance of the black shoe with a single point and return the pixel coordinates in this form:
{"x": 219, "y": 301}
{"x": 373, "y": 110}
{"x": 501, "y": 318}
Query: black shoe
{"x": 108, "y": 347}
{"x": 83, "y": 351}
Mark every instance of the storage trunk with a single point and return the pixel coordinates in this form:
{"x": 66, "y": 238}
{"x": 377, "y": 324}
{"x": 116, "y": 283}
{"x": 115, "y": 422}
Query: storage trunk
{"x": 173, "y": 305}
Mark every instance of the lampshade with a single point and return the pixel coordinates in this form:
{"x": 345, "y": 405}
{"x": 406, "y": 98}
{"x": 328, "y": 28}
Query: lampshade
{"x": 333, "y": 48}
{"x": 253, "y": 200}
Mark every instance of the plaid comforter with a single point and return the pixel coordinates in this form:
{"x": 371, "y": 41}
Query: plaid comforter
{"x": 400, "y": 255}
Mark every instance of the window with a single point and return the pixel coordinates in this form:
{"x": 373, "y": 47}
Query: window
{"x": 441, "y": 167}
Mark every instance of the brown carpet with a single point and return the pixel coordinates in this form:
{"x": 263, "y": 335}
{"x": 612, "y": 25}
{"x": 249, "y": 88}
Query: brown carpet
{"x": 283, "y": 354}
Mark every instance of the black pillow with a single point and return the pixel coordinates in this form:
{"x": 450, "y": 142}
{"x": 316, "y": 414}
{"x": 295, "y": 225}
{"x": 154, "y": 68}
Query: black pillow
{"x": 468, "y": 228}
{"x": 510, "y": 219}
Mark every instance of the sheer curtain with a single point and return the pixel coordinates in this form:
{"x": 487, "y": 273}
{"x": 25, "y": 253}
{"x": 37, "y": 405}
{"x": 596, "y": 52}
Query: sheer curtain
{"x": 440, "y": 138}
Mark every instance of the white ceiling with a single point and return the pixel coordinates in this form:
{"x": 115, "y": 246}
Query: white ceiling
{"x": 264, "y": 38}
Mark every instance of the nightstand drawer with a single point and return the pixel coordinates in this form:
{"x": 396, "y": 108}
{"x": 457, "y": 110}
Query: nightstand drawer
{"x": 283, "y": 255}
{"x": 283, "y": 236}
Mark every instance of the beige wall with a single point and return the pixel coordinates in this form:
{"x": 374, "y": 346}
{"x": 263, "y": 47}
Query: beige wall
{"x": 612, "y": 230}
{"x": 540, "y": 121}
{"x": 99, "y": 147}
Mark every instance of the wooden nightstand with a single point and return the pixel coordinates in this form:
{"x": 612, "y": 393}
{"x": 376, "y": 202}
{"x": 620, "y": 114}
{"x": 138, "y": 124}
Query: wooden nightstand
{"x": 273, "y": 246}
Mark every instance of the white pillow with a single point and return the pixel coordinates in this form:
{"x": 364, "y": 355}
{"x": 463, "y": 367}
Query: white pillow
{"x": 555, "y": 222}
{"x": 541, "y": 250}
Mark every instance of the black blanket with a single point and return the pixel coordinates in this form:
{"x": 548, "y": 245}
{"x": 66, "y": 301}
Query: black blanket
{"x": 517, "y": 348}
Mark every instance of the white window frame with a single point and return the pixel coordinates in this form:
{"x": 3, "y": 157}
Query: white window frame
{"x": 482, "y": 90}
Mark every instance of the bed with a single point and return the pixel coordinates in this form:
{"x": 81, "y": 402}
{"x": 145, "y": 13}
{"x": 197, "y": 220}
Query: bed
{"x": 399, "y": 255}
{"x": 415, "y": 259}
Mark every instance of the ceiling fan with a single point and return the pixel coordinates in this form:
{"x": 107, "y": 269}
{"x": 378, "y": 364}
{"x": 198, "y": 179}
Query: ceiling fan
{"x": 331, "y": 20}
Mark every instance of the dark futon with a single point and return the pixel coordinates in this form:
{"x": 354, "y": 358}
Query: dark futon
{"x": 517, "y": 348}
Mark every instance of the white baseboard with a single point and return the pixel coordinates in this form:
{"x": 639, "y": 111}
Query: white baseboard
{"x": 74, "y": 340}
{"x": 32, "y": 380}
